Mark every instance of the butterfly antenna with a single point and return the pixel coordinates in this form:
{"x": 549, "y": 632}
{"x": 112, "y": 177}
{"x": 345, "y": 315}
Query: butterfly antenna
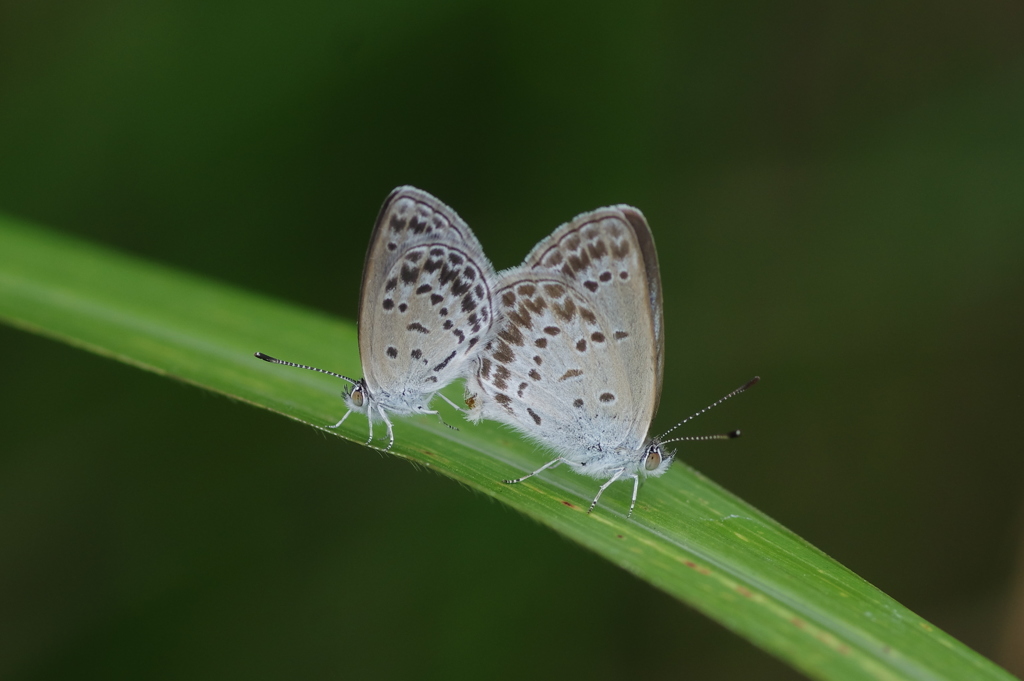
{"x": 724, "y": 436}
{"x": 274, "y": 360}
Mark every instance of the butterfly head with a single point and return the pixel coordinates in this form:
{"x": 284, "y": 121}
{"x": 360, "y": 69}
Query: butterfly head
{"x": 656, "y": 459}
{"x": 357, "y": 397}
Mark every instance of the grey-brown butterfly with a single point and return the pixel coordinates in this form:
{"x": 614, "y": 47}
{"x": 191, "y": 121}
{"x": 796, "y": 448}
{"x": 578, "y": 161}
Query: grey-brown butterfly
{"x": 425, "y": 309}
{"x": 578, "y": 361}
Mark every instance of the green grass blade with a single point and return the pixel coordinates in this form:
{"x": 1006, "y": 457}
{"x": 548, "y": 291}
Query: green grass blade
{"x": 688, "y": 536}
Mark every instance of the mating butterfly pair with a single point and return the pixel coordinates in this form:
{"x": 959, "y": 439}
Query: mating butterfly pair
{"x": 567, "y": 347}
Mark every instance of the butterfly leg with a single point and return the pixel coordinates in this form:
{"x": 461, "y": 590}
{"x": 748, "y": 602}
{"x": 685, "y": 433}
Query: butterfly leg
{"x": 636, "y": 486}
{"x": 369, "y": 424}
{"x": 457, "y": 407}
{"x": 549, "y": 464}
{"x": 431, "y": 411}
{"x": 347, "y": 414}
{"x": 600, "y": 491}
{"x": 387, "y": 422}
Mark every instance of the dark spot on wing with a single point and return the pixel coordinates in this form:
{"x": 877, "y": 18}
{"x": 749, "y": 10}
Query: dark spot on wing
{"x": 436, "y": 298}
{"x": 504, "y": 353}
{"x": 417, "y": 225}
{"x": 536, "y": 305}
{"x": 392, "y": 351}
{"x": 536, "y": 419}
{"x": 554, "y": 290}
{"x": 541, "y": 342}
{"x": 577, "y": 403}
{"x": 459, "y": 287}
{"x": 580, "y": 262}
{"x": 597, "y": 337}
{"x": 619, "y": 335}
{"x": 402, "y": 307}
{"x": 416, "y": 326}
{"x": 552, "y": 330}
{"x": 566, "y": 311}
{"x": 590, "y": 285}
{"x": 521, "y": 318}
{"x": 605, "y": 276}
{"x": 505, "y": 401}
{"x": 408, "y": 274}
{"x": 388, "y": 304}
{"x": 426, "y": 288}
{"x": 607, "y": 397}
{"x": 443, "y": 364}
{"x": 581, "y": 345}
{"x": 512, "y": 334}
{"x": 534, "y": 374}
{"x": 571, "y": 373}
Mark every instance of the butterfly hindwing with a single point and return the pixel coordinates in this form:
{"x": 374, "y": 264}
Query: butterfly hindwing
{"x": 577, "y": 363}
{"x": 425, "y": 304}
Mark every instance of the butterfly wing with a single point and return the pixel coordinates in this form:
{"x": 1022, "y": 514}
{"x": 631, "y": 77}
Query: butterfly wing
{"x": 578, "y": 361}
{"x": 425, "y": 303}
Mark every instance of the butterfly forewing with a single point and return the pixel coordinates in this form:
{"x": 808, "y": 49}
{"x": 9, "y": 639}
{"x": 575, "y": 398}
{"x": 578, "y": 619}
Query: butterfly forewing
{"x": 425, "y": 304}
{"x": 582, "y": 331}
{"x": 606, "y": 243}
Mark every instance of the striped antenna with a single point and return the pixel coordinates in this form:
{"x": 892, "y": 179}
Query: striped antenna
{"x": 724, "y": 436}
{"x": 274, "y": 360}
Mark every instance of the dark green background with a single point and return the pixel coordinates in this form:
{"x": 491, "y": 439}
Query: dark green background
{"x": 837, "y": 193}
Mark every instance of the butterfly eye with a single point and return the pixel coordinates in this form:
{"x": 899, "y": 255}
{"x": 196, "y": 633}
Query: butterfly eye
{"x": 357, "y": 397}
{"x": 653, "y": 459}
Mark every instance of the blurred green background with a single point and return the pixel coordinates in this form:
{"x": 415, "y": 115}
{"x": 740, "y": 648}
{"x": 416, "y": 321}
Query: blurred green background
{"x": 837, "y": 193}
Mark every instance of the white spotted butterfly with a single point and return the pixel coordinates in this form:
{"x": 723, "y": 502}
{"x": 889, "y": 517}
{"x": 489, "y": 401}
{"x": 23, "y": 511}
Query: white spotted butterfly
{"x": 578, "y": 360}
{"x": 425, "y": 309}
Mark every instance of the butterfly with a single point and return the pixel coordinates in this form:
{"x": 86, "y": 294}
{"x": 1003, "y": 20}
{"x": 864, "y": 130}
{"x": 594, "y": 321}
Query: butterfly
{"x": 425, "y": 309}
{"x": 578, "y": 361}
